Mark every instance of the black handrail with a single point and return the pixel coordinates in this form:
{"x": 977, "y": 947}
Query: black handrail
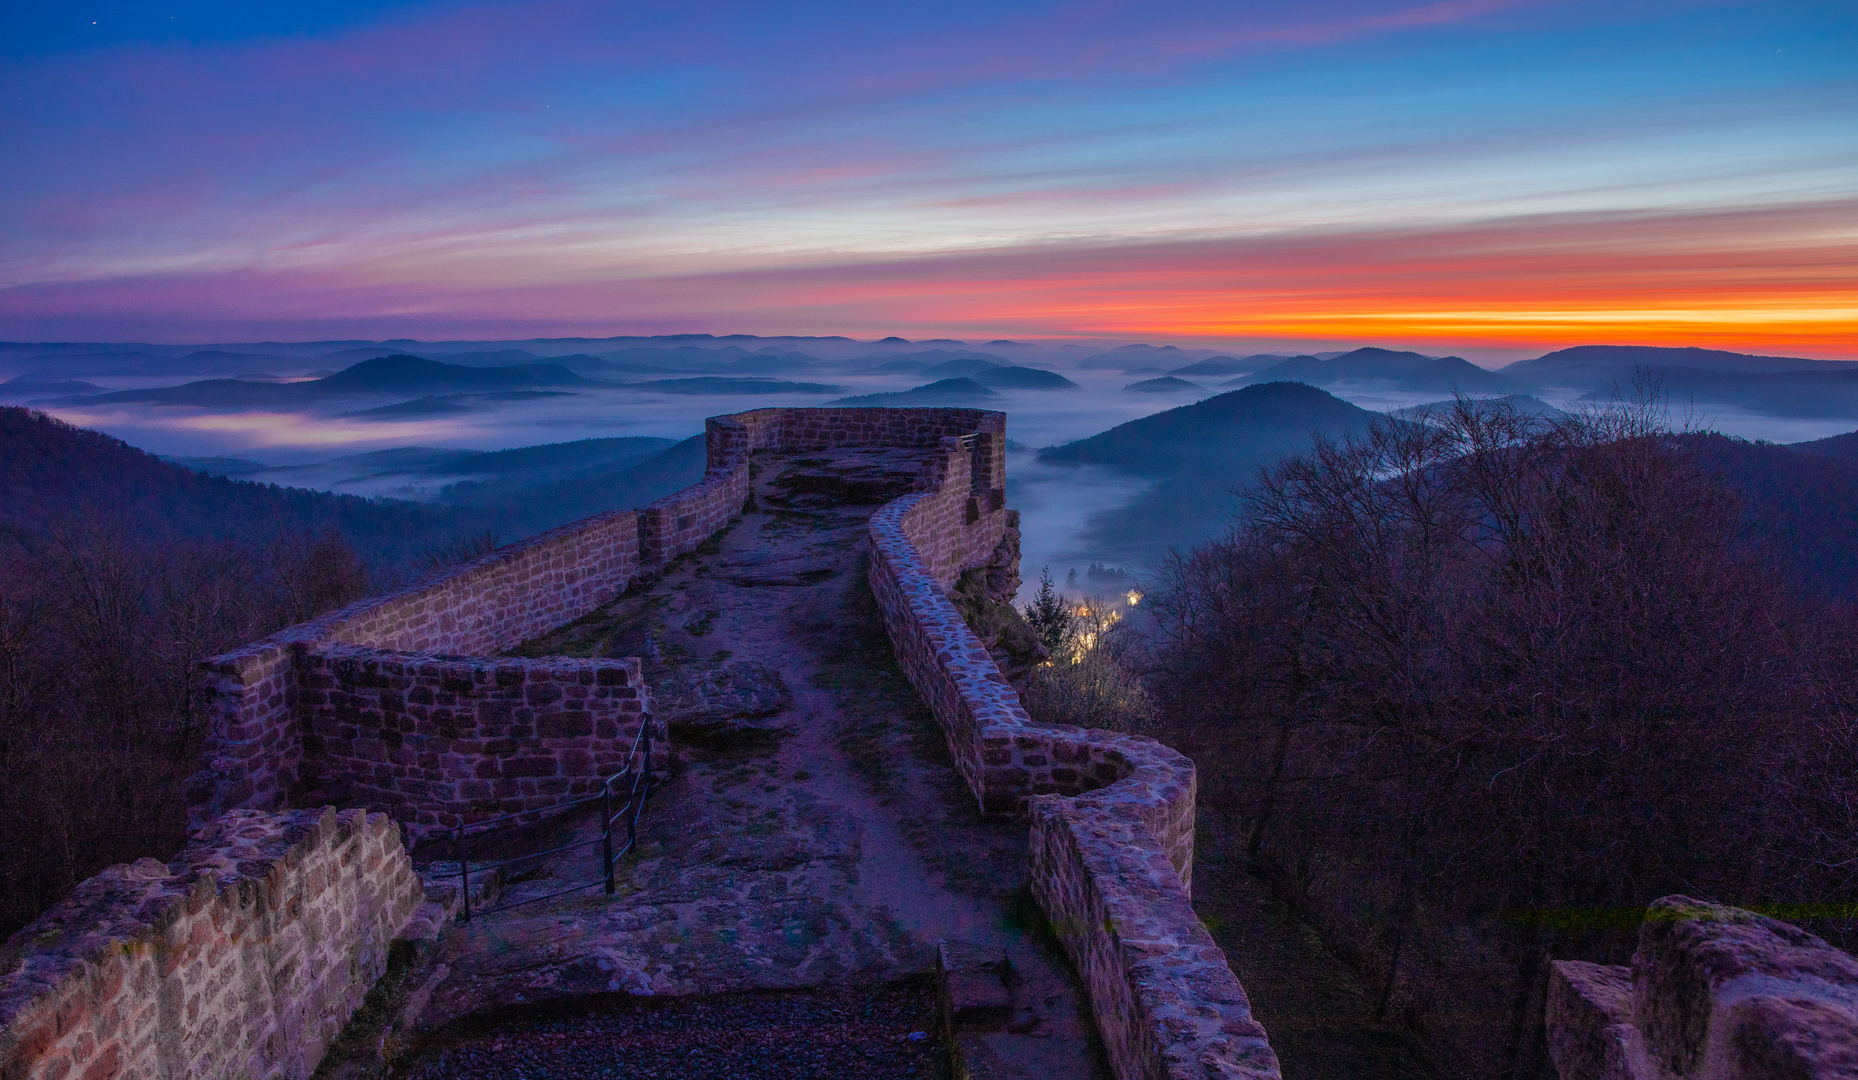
{"x": 630, "y": 810}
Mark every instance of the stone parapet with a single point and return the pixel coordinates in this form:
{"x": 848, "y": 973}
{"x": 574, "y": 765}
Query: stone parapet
{"x": 269, "y": 733}
{"x": 239, "y": 960}
{"x": 1112, "y": 815}
{"x": 1713, "y": 993}
{"x": 434, "y": 741}
{"x": 256, "y": 753}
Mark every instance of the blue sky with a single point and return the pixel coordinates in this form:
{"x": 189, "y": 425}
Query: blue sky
{"x": 1476, "y": 174}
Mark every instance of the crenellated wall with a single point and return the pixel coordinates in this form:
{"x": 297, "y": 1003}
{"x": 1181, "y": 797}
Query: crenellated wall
{"x": 239, "y": 960}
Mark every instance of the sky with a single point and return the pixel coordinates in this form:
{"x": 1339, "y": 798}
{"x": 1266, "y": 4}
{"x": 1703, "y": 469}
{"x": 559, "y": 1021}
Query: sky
{"x": 1491, "y": 177}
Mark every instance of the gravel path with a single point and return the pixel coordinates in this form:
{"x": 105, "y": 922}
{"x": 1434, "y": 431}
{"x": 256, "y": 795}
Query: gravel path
{"x": 885, "y": 1032}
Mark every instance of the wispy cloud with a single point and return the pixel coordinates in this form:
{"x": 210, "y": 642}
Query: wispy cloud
{"x": 1767, "y": 277}
{"x": 635, "y": 164}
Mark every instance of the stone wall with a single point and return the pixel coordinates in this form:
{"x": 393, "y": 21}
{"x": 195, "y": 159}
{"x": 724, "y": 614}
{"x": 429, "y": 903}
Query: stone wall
{"x": 1714, "y": 993}
{"x": 274, "y": 740}
{"x": 679, "y": 522}
{"x": 255, "y": 753}
{"x": 240, "y": 960}
{"x": 1112, "y": 815}
{"x": 420, "y": 737}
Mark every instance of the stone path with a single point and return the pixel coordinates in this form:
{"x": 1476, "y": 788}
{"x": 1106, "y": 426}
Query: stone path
{"x": 816, "y": 832}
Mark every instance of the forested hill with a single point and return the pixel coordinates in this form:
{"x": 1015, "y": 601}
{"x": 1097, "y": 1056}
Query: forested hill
{"x": 1199, "y": 454}
{"x": 1799, "y": 508}
{"x": 1268, "y": 418}
{"x": 54, "y": 474}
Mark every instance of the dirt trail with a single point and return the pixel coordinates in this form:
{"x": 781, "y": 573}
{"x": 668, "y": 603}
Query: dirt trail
{"x": 816, "y": 831}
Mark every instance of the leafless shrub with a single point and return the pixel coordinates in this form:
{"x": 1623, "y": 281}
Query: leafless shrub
{"x": 1085, "y": 682}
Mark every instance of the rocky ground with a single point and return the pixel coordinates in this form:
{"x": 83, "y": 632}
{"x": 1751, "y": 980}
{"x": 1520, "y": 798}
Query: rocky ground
{"x": 815, "y": 839}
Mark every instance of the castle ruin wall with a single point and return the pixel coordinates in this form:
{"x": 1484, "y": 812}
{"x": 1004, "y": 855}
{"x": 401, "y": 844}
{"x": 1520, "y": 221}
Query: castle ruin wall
{"x": 265, "y": 746}
{"x": 1112, "y": 815}
{"x": 1111, "y": 854}
{"x": 425, "y": 739}
{"x": 250, "y": 698}
{"x": 1712, "y": 993}
{"x": 240, "y": 960}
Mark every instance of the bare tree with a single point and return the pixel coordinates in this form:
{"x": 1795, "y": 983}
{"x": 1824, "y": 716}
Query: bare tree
{"x": 1499, "y": 665}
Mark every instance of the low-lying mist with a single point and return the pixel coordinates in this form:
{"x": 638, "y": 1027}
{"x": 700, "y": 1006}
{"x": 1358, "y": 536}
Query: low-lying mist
{"x": 1068, "y": 511}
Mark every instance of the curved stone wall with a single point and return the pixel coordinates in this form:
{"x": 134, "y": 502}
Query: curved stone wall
{"x": 1112, "y": 815}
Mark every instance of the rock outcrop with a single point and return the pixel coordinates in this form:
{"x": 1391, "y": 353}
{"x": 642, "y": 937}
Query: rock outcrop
{"x": 1713, "y": 993}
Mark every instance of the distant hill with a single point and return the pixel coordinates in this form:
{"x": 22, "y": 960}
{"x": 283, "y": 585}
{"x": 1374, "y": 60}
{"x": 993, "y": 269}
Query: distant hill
{"x": 678, "y": 358}
{"x": 480, "y": 357}
{"x": 1838, "y": 446}
{"x": 1167, "y": 384}
{"x": 956, "y": 361}
{"x": 515, "y": 492}
{"x": 398, "y": 375}
{"x": 447, "y": 404}
{"x": 92, "y": 365}
{"x": 1624, "y": 358}
{"x": 1828, "y": 393}
{"x": 1198, "y": 454}
{"x": 960, "y": 366}
{"x": 1408, "y": 371}
{"x": 1022, "y": 378}
{"x": 1136, "y": 358}
{"x": 717, "y": 384}
{"x": 1799, "y": 509}
{"x": 1232, "y": 426}
{"x": 945, "y": 392}
{"x": 23, "y": 387}
{"x": 1231, "y": 365}
{"x": 525, "y": 505}
{"x": 50, "y": 470}
{"x": 1522, "y": 403}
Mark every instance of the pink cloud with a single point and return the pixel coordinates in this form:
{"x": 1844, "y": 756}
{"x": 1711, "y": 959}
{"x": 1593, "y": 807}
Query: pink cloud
{"x": 1773, "y": 278}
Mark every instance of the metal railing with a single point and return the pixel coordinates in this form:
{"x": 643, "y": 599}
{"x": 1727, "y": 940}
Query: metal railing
{"x": 640, "y": 785}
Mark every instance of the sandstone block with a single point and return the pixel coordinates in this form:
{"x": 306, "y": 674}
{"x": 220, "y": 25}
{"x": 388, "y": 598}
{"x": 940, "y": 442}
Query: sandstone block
{"x": 1722, "y": 992}
{"x": 1590, "y": 1032}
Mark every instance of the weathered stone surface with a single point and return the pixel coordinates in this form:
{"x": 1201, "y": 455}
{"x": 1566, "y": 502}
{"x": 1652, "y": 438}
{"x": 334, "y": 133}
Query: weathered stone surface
{"x": 972, "y": 983}
{"x": 262, "y": 753}
{"x": 240, "y": 959}
{"x": 1716, "y": 988}
{"x": 822, "y": 484}
{"x": 723, "y": 705}
{"x": 1112, "y": 815}
{"x": 1713, "y": 993}
{"x": 1590, "y": 1032}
